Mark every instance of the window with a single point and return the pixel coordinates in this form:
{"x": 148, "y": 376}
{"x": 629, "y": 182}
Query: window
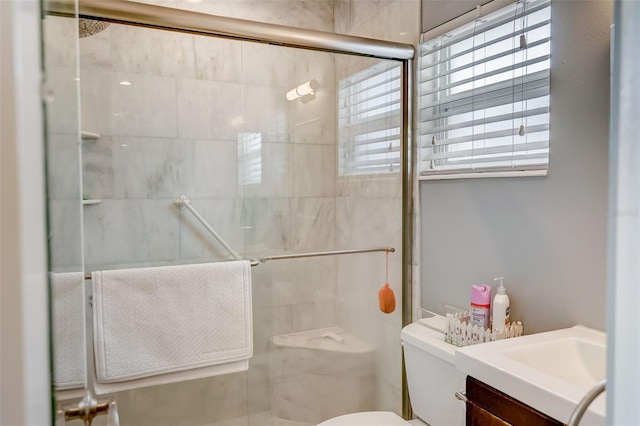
{"x": 249, "y": 158}
{"x": 369, "y": 121}
{"x": 484, "y": 95}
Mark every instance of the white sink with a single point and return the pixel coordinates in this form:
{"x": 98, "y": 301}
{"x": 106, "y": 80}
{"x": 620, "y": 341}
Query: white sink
{"x": 551, "y": 371}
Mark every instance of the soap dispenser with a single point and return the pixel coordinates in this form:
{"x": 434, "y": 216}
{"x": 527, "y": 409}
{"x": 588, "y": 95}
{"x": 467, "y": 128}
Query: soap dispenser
{"x": 500, "y": 307}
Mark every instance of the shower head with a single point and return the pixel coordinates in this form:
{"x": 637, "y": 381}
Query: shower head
{"x": 89, "y": 27}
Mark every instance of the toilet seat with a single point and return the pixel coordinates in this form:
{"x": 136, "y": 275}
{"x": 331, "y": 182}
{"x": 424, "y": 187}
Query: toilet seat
{"x": 369, "y": 418}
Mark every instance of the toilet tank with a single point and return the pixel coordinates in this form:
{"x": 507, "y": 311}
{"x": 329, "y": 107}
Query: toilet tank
{"x": 432, "y": 376}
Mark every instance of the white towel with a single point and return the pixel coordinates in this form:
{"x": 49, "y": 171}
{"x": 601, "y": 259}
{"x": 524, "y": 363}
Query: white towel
{"x": 162, "y": 379}
{"x": 68, "y": 330}
{"x": 155, "y": 321}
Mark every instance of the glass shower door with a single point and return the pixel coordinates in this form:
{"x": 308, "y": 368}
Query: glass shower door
{"x": 167, "y": 113}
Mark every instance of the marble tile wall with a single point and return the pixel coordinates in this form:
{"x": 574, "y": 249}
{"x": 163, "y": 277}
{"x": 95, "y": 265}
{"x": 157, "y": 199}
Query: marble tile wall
{"x": 369, "y": 210}
{"x": 311, "y": 14}
{"x": 63, "y": 145}
{"x": 195, "y": 402}
{"x": 174, "y": 129}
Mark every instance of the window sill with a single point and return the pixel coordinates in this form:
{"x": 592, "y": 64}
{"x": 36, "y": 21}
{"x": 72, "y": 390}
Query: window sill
{"x": 484, "y": 175}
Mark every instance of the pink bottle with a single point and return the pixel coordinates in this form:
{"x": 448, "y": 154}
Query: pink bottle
{"x": 480, "y": 305}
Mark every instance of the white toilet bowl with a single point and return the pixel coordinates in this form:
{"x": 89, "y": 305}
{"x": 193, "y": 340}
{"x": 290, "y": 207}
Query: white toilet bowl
{"x": 432, "y": 378}
{"x": 369, "y": 418}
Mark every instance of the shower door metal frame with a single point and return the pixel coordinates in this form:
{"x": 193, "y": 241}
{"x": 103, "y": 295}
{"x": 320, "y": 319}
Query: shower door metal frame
{"x": 179, "y": 20}
{"x": 171, "y": 19}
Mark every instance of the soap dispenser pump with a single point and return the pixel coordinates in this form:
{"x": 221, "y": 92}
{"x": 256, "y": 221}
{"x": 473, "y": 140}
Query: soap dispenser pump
{"x": 500, "y": 307}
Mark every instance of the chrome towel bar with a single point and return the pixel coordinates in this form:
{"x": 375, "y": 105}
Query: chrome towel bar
{"x": 324, "y": 253}
{"x": 266, "y": 259}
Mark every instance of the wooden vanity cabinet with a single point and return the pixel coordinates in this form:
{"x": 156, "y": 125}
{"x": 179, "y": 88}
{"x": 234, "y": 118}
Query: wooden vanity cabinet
{"x": 487, "y": 406}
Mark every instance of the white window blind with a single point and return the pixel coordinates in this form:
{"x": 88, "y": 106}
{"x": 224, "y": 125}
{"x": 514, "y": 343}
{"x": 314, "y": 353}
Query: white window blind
{"x": 369, "y": 121}
{"x": 249, "y": 158}
{"x": 484, "y": 94}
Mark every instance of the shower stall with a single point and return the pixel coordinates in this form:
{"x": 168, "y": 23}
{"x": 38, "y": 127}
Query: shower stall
{"x": 290, "y": 147}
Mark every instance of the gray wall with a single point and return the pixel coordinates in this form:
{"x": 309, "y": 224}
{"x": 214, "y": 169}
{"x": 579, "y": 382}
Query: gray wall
{"x": 437, "y": 12}
{"x": 546, "y": 235}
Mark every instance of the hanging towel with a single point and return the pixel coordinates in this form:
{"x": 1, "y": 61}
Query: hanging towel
{"x": 156, "y": 321}
{"x": 68, "y": 330}
{"x": 163, "y": 379}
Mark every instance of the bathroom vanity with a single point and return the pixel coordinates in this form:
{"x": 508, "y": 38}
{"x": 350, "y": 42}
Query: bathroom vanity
{"x": 536, "y": 379}
{"x": 487, "y": 406}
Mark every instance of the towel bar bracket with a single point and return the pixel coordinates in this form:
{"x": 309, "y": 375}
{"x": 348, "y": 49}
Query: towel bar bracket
{"x": 86, "y": 410}
{"x": 181, "y": 201}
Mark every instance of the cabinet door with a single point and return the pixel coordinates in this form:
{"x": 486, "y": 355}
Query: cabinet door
{"x": 503, "y": 407}
{"x": 478, "y": 416}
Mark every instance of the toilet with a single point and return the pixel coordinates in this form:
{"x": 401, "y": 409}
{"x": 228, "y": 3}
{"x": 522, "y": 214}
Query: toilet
{"x": 432, "y": 378}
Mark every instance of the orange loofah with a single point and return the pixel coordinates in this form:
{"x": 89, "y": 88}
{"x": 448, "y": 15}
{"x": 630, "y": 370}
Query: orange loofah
{"x": 387, "y": 299}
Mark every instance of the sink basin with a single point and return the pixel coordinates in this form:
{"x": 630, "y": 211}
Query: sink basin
{"x": 550, "y": 371}
{"x": 576, "y": 361}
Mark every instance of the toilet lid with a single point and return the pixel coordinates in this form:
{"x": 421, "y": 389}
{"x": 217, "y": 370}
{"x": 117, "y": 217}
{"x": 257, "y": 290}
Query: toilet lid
{"x": 369, "y": 418}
